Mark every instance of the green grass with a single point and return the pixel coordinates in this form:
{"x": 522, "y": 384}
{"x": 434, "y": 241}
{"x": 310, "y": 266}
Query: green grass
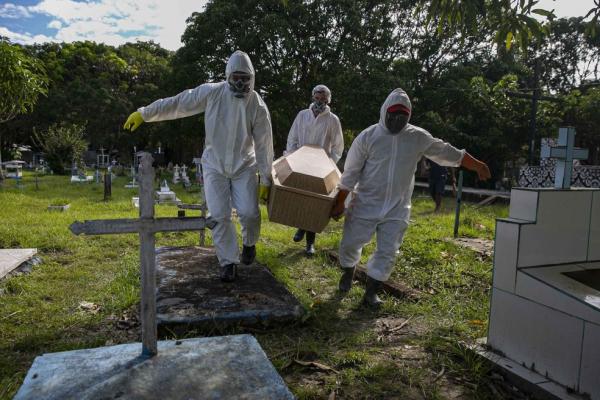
{"x": 39, "y": 312}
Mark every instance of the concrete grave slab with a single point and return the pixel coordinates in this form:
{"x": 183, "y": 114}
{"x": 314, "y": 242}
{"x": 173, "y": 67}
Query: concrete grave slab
{"x": 10, "y": 259}
{"x": 189, "y": 291}
{"x": 225, "y": 367}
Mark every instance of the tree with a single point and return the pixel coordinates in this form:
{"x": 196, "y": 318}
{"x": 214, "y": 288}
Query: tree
{"x": 63, "y": 145}
{"x": 511, "y": 20}
{"x": 23, "y": 81}
{"x": 99, "y": 86}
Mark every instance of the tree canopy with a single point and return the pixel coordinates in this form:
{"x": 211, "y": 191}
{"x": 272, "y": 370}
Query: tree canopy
{"x": 460, "y": 82}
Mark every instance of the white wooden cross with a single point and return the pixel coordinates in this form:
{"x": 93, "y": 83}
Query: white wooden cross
{"x": 564, "y": 154}
{"x": 146, "y": 226}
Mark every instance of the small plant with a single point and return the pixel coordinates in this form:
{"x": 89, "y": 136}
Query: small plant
{"x": 62, "y": 145}
{"x": 59, "y": 202}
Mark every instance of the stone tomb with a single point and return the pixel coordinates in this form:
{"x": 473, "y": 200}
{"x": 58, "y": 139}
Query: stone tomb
{"x": 165, "y": 195}
{"x": 14, "y": 169}
{"x": 190, "y": 291}
{"x": 225, "y": 367}
{"x": 210, "y": 368}
{"x": 545, "y": 304}
{"x": 11, "y": 259}
{"x": 304, "y": 189}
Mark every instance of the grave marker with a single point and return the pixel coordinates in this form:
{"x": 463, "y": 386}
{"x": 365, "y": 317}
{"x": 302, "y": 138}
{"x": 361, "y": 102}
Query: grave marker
{"x": 146, "y": 226}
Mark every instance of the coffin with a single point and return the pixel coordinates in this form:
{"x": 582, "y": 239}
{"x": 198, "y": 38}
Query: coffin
{"x": 304, "y": 189}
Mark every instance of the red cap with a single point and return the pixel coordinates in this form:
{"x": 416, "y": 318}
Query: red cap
{"x": 401, "y": 108}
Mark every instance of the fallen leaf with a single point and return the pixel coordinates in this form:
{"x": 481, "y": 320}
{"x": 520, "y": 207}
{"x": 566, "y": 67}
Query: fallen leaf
{"x": 316, "y": 365}
{"x": 89, "y": 307}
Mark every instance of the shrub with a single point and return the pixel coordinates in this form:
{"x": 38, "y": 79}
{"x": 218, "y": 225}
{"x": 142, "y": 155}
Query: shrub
{"x": 63, "y": 144}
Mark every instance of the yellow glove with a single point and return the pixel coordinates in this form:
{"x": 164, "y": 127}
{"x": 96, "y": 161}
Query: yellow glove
{"x": 134, "y": 121}
{"x": 263, "y": 193}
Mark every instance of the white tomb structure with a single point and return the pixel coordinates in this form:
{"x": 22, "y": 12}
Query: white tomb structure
{"x": 545, "y": 307}
{"x": 176, "y": 174}
{"x": 79, "y": 177}
{"x": 133, "y": 184}
{"x": 184, "y": 177}
{"x": 14, "y": 169}
{"x": 102, "y": 160}
{"x": 165, "y": 195}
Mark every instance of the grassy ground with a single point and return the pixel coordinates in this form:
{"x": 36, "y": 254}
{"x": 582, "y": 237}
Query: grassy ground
{"x": 369, "y": 355}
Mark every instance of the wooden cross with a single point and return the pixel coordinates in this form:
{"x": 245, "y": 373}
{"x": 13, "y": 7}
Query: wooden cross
{"x": 146, "y": 226}
{"x": 564, "y": 154}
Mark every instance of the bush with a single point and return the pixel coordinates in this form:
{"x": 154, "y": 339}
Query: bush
{"x": 63, "y": 144}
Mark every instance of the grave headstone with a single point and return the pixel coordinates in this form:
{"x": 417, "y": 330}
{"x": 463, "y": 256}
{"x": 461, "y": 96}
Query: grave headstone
{"x": 176, "y": 174}
{"x": 165, "y": 195}
{"x": 133, "y": 184}
{"x": 184, "y": 177}
{"x": 197, "y": 161}
{"x": 556, "y": 151}
{"x": 102, "y": 160}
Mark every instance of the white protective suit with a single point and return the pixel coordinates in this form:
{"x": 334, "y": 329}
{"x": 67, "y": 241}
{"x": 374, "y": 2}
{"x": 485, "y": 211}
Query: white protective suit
{"x": 324, "y": 131}
{"x": 238, "y": 141}
{"x": 380, "y": 170}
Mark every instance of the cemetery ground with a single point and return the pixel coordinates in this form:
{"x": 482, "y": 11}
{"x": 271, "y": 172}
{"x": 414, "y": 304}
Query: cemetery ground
{"x": 85, "y": 294}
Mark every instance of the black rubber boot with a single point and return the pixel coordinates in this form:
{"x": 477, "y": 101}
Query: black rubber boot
{"x": 299, "y": 235}
{"x": 346, "y": 279}
{"x": 248, "y": 254}
{"x": 372, "y": 287}
{"x": 229, "y": 273}
{"x": 310, "y": 244}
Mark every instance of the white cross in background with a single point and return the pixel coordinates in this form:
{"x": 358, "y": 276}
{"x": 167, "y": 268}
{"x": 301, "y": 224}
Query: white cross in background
{"x": 564, "y": 154}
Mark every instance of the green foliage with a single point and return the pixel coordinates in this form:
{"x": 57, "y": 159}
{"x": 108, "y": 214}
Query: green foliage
{"x": 23, "y": 81}
{"x": 582, "y": 113}
{"x": 62, "y": 144}
{"x": 361, "y": 49}
{"x": 99, "y": 85}
{"x": 510, "y": 20}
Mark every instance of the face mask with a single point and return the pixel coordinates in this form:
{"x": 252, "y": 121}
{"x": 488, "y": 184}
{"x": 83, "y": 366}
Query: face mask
{"x": 395, "y": 122}
{"x": 240, "y": 86}
{"x": 318, "y": 106}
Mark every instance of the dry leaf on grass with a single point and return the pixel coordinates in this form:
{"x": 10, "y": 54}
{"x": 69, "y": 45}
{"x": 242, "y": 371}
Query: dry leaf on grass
{"x": 316, "y": 365}
{"x": 89, "y": 307}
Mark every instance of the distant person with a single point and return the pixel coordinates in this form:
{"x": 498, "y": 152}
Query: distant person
{"x": 437, "y": 183}
{"x": 379, "y": 169}
{"x": 317, "y": 126}
{"x": 239, "y": 141}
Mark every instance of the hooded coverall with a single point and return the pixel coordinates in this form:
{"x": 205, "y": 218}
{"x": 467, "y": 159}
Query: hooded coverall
{"x": 380, "y": 169}
{"x": 238, "y": 141}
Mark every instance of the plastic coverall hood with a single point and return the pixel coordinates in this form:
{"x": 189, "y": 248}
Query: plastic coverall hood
{"x": 398, "y": 96}
{"x": 240, "y": 62}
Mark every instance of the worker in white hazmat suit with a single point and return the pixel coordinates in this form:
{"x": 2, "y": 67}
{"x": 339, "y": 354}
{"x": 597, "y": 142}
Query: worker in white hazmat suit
{"x": 317, "y": 126}
{"x": 238, "y": 141}
{"x": 379, "y": 170}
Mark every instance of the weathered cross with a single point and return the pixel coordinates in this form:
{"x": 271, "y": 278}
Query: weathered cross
{"x": 146, "y": 226}
{"x": 564, "y": 154}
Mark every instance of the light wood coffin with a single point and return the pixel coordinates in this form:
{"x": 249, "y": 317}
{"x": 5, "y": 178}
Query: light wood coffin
{"x": 304, "y": 189}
